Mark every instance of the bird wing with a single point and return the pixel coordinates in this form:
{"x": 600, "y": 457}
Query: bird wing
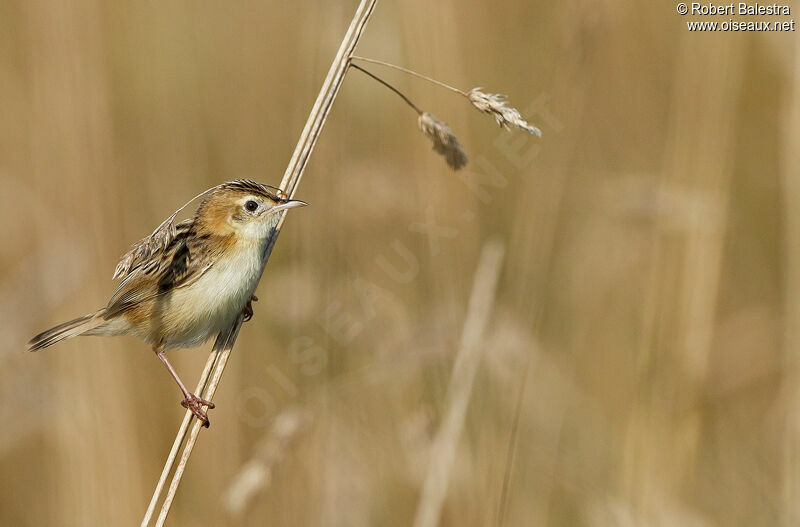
{"x": 180, "y": 264}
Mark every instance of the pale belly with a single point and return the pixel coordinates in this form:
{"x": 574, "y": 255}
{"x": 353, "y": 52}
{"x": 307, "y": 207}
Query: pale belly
{"x": 195, "y": 313}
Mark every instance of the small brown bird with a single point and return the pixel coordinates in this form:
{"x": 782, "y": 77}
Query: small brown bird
{"x": 188, "y": 282}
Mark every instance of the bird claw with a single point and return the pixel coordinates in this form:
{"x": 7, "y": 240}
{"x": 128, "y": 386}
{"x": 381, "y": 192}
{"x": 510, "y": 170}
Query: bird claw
{"x": 248, "y": 308}
{"x": 195, "y": 404}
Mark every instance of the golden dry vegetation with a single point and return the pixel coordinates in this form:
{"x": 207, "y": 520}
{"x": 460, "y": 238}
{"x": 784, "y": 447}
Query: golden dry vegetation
{"x": 642, "y": 357}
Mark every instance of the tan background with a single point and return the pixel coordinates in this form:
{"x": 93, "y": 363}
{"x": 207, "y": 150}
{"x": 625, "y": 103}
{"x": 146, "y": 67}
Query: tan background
{"x": 649, "y": 301}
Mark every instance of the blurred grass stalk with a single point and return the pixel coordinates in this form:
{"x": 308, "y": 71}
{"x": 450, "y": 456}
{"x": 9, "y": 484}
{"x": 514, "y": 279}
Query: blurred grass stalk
{"x": 662, "y": 438}
{"x": 443, "y": 450}
{"x": 215, "y": 365}
{"x": 256, "y": 474}
{"x": 790, "y": 506}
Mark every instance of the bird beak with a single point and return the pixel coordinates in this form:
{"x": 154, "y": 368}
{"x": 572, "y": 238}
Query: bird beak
{"x": 287, "y": 204}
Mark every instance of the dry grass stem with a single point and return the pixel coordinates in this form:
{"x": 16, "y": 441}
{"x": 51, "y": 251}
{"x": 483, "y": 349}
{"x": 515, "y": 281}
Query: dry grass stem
{"x": 459, "y": 390}
{"x": 215, "y": 365}
{"x": 217, "y": 361}
{"x": 512, "y": 444}
{"x": 395, "y": 90}
{"x": 414, "y": 73}
{"x": 493, "y": 104}
{"x": 506, "y": 116}
{"x": 444, "y": 141}
{"x": 176, "y": 444}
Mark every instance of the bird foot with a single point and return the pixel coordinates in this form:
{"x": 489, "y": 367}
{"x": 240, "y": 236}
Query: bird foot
{"x": 195, "y": 404}
{"x": 248, "y": 308}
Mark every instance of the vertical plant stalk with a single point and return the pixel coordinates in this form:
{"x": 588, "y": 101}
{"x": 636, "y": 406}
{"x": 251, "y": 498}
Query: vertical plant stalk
{"x": 790, "y": 179}
{"x": 443, "y": 451}
{"x": 661, "y": 446}
{"x": 215, "y": 365}
{"x": 511, "y": 450}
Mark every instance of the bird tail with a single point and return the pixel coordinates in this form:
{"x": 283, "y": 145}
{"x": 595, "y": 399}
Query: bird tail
{"x": 67, "y": 330}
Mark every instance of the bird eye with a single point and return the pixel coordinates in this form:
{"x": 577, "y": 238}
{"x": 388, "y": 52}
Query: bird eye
{"x": 251, "y": 205}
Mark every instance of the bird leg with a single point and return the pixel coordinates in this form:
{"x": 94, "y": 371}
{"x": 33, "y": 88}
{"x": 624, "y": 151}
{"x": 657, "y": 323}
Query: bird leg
{"x": 191, "y": 401}
{"x": 248, "y": 308}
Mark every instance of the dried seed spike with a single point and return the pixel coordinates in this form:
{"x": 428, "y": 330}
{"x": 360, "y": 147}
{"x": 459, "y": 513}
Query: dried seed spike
{"x": 444, "y": 141}
{"x": 506, "y": 116}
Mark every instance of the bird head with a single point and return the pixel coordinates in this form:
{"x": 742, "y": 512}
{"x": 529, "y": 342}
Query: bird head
{"x": 244, "y": 207}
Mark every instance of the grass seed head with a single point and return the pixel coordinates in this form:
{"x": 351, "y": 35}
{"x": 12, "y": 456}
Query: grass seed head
{"x": 506, "y": 116}
{"x": 444, "y": 141}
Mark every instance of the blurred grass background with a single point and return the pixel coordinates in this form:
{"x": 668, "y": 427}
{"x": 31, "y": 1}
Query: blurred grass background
{"x": 648, "y": 302}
